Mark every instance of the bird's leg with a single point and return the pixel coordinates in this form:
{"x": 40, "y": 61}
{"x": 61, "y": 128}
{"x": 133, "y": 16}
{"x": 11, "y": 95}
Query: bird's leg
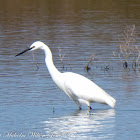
{"x": 78, "y": 103}
{"x": 80, "y": 108}
{"x": 89, "y": 107}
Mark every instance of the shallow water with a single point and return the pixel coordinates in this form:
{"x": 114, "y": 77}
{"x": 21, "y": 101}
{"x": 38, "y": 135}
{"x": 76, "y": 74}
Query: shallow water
{"x": 31, "y": 106}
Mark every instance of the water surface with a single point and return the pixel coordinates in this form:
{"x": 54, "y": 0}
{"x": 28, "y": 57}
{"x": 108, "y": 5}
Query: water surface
{"x": 32, "y": 107}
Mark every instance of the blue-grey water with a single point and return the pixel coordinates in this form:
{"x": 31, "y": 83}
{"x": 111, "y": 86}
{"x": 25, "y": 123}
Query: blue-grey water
{"x": 31, "y": 106}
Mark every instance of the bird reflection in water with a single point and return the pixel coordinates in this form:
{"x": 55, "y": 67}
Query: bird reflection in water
{"x": 99, "y": 124}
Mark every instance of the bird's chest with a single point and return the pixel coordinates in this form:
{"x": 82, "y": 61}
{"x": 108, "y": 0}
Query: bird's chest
{"x": 58, "y": 80}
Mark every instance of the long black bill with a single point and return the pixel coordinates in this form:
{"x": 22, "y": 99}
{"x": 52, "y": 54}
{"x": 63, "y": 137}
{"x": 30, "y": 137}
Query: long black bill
{"x": 24, "y": 51}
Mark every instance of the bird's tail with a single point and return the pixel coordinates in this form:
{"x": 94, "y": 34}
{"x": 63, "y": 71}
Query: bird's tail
{"x": 111, "y": 102}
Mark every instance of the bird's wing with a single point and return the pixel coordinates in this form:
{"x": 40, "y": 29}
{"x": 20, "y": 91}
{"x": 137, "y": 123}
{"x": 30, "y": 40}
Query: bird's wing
{"x": 83, "y": 88}
{"x": 78, "y": 86}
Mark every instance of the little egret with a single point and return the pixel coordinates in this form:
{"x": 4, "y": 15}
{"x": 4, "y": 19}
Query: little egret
{"x": 77, "y": 87}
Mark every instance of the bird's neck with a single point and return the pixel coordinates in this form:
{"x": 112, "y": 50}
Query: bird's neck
{"x": 50, "y": 65}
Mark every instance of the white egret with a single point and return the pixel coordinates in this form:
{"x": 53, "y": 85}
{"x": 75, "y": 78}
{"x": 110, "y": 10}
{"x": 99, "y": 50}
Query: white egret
{"x": 77, "y": 87}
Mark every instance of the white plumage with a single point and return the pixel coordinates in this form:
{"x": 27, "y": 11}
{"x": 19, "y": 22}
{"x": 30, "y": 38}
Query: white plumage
{"x": 77, "y": 87}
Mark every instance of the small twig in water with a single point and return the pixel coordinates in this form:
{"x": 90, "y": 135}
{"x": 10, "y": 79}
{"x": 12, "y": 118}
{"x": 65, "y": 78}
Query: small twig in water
{"x": 53, "y": 109}
{"x": 61, "y": 56}
{"x": 35, "y": 62}
{"x": 128, "y": 48}
{"x": 87, "y": 65}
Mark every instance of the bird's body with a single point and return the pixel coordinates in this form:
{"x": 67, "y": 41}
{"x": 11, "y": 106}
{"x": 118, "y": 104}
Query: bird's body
{"x": 77, "y": 87}
{"x": 82, "y": 90}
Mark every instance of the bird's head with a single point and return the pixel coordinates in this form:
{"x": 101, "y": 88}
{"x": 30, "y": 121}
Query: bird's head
{"x": 36, "y": 45}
